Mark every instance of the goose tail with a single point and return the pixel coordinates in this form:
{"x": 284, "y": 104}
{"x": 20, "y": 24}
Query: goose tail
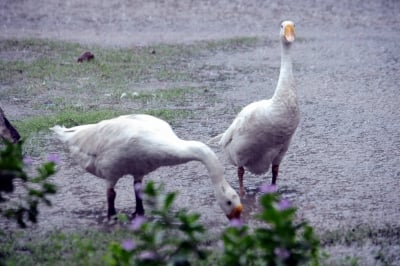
{"x": 62, "y": 132}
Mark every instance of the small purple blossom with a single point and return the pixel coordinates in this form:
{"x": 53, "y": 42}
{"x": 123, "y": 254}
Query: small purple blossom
{"x": 28, "y": 160}
{"x": 268, "y": 189}
{"x": 237, "y": 223}
{"x": 53, "y": 157}
{"x": 128, "y": 245}
{"x": 284, "y": 204}
{"x": 137, "y": 222}
{"x": 282, "y": 253}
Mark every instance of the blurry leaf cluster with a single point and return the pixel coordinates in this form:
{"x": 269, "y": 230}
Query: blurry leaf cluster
{"x": 23, "y": 208}
{"x": 280, "y": 241}
{"x": 167, "y": 236}
{"x": 177, "y": 238}
{"x": 170, "y": 238}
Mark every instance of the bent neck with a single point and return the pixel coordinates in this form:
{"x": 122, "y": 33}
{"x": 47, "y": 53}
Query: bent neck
{"x": 201, "y": 152}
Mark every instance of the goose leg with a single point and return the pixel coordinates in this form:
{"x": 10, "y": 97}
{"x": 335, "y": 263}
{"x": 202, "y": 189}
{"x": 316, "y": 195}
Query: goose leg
{"x": 240, "y": 175}
{"x": 275, "y": 170}
{"x": 137, "y": 186}
{"x": 111, "y": 195}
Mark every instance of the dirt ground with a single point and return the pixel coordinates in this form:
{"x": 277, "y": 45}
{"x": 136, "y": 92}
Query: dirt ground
{"x": 342, "y": 170}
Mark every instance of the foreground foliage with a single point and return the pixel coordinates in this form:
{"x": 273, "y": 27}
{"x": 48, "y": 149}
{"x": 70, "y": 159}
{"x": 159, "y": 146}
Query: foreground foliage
{"x": 177, "y": 239}
{"x": 166, "y": 237}
{"x": 171, "y": 238}
{"x": 281, "y": 241}
{"x": 36, "y": 189}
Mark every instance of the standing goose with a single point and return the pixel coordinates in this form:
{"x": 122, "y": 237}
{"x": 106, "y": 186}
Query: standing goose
{"x": 260, "y": 134}
{"x": 137, "y": 145}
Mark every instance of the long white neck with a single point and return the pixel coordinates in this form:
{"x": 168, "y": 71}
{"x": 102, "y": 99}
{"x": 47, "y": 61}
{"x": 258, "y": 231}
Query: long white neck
{"x": 285, "y": 89}
{"x": 198, "y": 151}
{"x": 226, "y": 196}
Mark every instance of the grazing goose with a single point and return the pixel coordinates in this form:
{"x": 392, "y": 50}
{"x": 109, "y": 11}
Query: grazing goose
{"x": 7, "y": 131}
{"x": 260, "y": 134}
{"x": 137, "y": 145}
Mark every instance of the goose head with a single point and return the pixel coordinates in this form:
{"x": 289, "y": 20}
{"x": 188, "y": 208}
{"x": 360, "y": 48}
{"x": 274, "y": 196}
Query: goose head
{"x": 228, "y": 200}
{"x": 287, "y": 32}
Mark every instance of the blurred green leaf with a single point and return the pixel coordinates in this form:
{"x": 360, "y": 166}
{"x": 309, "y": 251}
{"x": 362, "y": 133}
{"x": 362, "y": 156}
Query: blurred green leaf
{"x": 12, "y": 170}
{"x": 281, "y": 241}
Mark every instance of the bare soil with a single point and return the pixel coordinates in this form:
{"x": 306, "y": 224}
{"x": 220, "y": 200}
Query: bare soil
{"x": 342, "y": 170}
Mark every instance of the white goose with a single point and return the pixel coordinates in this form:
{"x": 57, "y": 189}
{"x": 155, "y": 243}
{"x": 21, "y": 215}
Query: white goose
{"x": 136, "y": 145}
{"x": 260, "y": 134}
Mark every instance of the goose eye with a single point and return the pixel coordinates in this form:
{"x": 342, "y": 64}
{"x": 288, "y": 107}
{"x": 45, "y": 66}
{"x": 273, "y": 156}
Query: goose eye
{"x": 229, "y": 202}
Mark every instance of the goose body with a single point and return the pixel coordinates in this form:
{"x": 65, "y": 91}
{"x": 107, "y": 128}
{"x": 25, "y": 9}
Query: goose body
{"x": 137, "y": 145}
{"x": 261, "y": 133}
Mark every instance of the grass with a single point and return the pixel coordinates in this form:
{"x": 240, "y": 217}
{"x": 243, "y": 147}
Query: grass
{"x": 58, "y": 90}
{"x": 58, "y": 248}
{"x": 88, "y": 246}
{"x": 166, "y": 95}
{"x": 45, "y": 76}
{"x": 71, "y": 118}
{"x": 79, "y": 114}
{"x": 35, "y": 61}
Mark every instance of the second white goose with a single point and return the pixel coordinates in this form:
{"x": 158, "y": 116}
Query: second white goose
{"x": 261, "y": 133}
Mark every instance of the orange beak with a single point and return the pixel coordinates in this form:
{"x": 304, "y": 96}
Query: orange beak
{"x": 235, "y": 214}
{"x": 289, "y": 33}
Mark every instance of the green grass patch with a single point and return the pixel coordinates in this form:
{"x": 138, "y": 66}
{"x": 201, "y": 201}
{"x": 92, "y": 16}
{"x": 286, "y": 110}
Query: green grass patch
{"x": 72, "y": 118}
{"x": 67, "y": 118}
{"x": 58, "y": 248}
{"x": 167, "y": 95}
{"x": 30, "y": 63}
{"x": 44, "y": 72}
{"x": 44, "y": 75}
{"x": 55, "y": 60}
{"x": 170, "y": 115}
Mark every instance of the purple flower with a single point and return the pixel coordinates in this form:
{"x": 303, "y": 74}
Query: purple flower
{"x": 137, "y": 222}
{"x": 284, "y": 204}
{"x": 282, "y": 253}
{"x": 128, "y": 245}
{"x": 53, "y": 157}
{"x": 28, "y": 160}
{"x": 236, "y": 223}
{"x": 268, "y": 189}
